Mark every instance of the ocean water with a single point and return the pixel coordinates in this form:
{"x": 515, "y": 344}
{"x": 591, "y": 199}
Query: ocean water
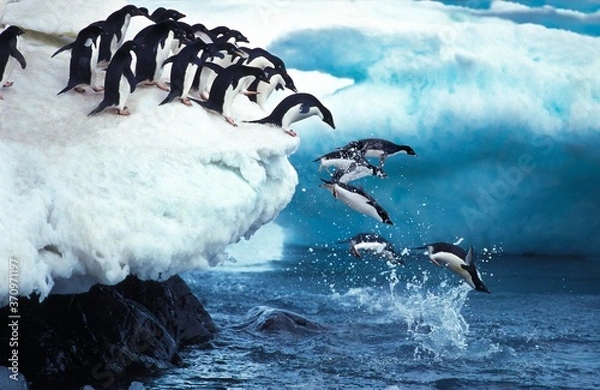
{"x": 407, "y": 327}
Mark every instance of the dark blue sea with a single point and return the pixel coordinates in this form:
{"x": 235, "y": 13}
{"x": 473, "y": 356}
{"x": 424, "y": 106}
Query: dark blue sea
{"x": 406, "y": 327}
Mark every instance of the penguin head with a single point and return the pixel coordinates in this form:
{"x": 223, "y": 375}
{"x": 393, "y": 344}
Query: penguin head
{"x": 408, "y": 150}
{"x": 13, "y": 31}
{"x": 326, "y": 116}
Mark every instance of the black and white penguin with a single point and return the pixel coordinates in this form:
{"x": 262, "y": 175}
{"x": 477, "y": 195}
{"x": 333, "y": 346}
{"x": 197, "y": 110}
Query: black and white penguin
{"x": 184, "y": 68}
{"x": 379, "y": 148}
{"x": 154, "y": 46}
{"x": 376, "y": 244}
{"x": 114, "y": 29}
{"x": 457, "y": 260}
{"x": 229, "y": 82}
{"x": 84, "y": 57}
{"x": 120, "y": 82}
{"x": 294, "y": 108}
{"x": 277, "y": 79}
{"x": 357, "y": 199}
{"x": 10, "y": 54}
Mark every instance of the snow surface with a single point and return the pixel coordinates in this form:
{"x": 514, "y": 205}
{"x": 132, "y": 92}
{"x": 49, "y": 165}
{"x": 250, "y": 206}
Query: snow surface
{"x": 505, "y": 118}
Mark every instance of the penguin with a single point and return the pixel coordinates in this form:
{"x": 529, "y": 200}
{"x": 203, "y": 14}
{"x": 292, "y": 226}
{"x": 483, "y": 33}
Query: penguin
{"x": 379, "y": 148}
{"x": 10, "y": 54}
{"x": 228, "y": 84}
{"x": 376, "y": 244}
{"x": 120, "y": 82}
{"x": 458, "y": 261}
{"x": 357, "y": 199}
{"x": 114, "y": 29}
{"x": 84, "y": 57}
{"x": 184, "y": 67}
{"x": 154, "y": 45}
{"x": 357, "y": 170}
{"x": 277, "y": 80}
{"x": 294, "y": 108}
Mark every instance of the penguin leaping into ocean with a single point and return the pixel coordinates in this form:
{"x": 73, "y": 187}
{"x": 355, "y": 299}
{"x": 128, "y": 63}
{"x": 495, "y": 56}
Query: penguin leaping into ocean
{"x": 379, "y": 148}
{"x": 294, "y": 108}
{"x": 357, "y": 199}
{"x": 376, "y": 244}
{"x": 457, "y": 260}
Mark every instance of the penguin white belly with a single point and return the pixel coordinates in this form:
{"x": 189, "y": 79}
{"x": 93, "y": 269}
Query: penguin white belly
{"x": 338, "y": 163}
{"x": 162, "y": 53}
{"x": 124, "y": 92}
{"x": 374, "y": 153}
{"x": 454, "y": 263}
{"x": 266, "y": 89}
{"x": 377, "y": 247}
{"x": 231, "y": 93}
{"x": 356, "y": 202}
{"x": 188, "y": 79}
{"x": 95, "y": 46}
{"x": 294, "y": 114}
{"x": 259, "y": 62}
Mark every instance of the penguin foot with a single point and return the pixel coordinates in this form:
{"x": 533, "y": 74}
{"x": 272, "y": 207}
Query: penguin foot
{"x": 163, "y": 86}
{"x": 8, "y": 84}
{"x": 230, "y": 121}
{"x": 186, "y": 101}
{"x": 248, "y": 93}
{"x": 98, "y": 89}
{"x": 204, "y": 96}
{"x": 79, "y": 89}
{"x": 291, "y": 132}
{"x": 1, "y": 97}
{"x": 124, "y": 111}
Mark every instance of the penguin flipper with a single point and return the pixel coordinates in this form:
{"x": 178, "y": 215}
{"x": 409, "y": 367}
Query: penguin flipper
{"x": 170, "y": 97}
{"x": 103, "y": 104}
{"x": 68, "y": 46}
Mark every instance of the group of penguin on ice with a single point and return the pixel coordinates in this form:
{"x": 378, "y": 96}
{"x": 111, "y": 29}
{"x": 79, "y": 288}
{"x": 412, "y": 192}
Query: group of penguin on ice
{"x": 210, "y": 64}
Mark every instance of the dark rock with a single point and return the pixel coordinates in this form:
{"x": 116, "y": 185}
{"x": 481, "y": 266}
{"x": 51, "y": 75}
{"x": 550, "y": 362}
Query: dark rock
{"x": 269, "y": 319}
{"x": 134, "y": 325}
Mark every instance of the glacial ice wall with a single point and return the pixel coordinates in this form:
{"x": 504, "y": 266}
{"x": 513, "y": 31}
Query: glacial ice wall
{"x": 504, "y": 117}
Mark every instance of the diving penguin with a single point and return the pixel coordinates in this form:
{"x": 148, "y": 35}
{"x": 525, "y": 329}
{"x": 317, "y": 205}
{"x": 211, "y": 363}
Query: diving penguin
{"x": 457, "y": 260}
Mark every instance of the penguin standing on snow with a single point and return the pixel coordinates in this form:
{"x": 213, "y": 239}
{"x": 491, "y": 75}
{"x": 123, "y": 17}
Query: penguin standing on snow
{"x": 120, "y": 81}
{"x": 229, "y": 82}
{"x": 114, "y": 29}
{"x": 183, "y": 70}
{"x": 154, "y": 45}
{"x": 457, "y": 260}
{"x": 84, "y": 57}
{"x": 294, "y": 108}
{"x": 9, "y": 54}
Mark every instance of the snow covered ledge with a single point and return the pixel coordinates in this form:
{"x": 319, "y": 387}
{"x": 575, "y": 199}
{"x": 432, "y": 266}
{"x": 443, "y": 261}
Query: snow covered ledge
{"x": 94, "y": 199}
